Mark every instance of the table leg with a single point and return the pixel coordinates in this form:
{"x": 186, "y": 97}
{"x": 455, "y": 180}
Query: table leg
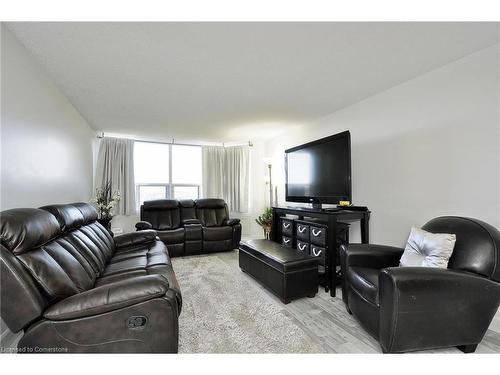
{"x": 331, "y": 255}
{"x": 365, "y": 228}
{"x": 275, "y": 226}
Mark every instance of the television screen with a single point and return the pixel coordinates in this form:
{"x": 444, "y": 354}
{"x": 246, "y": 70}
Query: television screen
{"x": 319, "y": 171}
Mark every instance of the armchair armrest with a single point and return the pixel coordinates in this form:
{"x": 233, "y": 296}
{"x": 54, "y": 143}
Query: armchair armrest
{"x": 109, "y": 297}
{"x": 231, "y": 222}
{"x": 436, "y": 305}
{"x": 142, "y": 225}
{"x": 134, "y": 238}
{"x": 373, "y": 256}
{"x": 190, "y": 221}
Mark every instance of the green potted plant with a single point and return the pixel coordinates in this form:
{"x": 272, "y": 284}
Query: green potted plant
{"x": 105, "y": 200}
{"x": 266, "y": 221}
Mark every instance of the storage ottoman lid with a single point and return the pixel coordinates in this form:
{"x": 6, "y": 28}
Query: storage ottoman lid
{"x": 277, "y": 256}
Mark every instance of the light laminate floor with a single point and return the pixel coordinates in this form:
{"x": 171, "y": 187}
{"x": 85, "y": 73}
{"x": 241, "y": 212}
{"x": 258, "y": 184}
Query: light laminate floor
{"x": 321, "y": 323}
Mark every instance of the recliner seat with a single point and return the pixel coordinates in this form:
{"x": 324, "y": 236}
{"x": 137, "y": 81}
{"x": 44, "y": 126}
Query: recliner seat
{"x": 417, "y": 308}
{"x": 72, "y": 287}
{"x": 191, "y": 227}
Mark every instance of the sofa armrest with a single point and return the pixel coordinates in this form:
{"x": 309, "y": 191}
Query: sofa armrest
{"x": 134, "y": 238}
{"x": 372, "y": 256}
{"x": 231, "y": 222}
{"x": 190, "y": 221}
{"x": 143, "y": 225}
{"x": 109, "y": 297}
{"x": 435, "y": 304}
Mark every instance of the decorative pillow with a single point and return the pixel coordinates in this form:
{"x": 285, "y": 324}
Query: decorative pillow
{"x": 425, "y": 249}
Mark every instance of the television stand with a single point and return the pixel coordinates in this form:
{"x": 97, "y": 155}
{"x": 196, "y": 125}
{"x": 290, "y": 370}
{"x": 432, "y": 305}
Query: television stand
{"x": 330, "y": 219}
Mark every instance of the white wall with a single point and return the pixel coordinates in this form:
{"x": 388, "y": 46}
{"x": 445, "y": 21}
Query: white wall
{"x": 428, "y": 147}
{"x": 46, "y": 152}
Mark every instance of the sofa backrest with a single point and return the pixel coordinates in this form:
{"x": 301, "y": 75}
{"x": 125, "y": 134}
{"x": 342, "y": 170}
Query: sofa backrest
{"x": 188, "y": 210}
{"x": 211, "y": 212}
{"x": 477, "y": 248}
{"x": 49, "y": 254}
{"x": 163, "y": 214}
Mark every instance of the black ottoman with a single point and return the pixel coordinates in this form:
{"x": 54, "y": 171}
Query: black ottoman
{"x": 288, "y": 273}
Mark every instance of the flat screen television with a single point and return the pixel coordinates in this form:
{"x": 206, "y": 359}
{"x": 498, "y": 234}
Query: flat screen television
{"x": 320, "y": 171}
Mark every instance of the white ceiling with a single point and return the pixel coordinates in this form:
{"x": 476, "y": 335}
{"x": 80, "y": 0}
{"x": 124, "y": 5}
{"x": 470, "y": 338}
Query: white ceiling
{"x": 235, "y": 81}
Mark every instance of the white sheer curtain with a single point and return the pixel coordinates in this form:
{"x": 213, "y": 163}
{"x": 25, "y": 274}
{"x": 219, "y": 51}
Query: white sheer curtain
{"x": 237, "y": 160}
{"x": 115, "y": 163}
{"x": 226, "y": 175}
{"x": 213, "y": 167}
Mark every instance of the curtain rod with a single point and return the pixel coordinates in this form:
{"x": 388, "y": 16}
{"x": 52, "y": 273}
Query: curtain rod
{"x": 173, "y": 142}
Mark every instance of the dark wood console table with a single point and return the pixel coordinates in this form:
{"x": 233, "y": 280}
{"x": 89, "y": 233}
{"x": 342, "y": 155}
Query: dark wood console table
{"x": 330, "y": 217}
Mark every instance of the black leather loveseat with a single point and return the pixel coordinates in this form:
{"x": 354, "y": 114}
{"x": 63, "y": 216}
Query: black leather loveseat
{"x": 71, "y": 287}
{"x": 191, "y": 227}
{"x": 416, "y": 308}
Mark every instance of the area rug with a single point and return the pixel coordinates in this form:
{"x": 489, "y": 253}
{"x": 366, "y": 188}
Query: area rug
{"x": 226, "y": 311}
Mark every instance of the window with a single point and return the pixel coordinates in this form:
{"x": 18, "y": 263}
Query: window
{"x": 167, "y": 171}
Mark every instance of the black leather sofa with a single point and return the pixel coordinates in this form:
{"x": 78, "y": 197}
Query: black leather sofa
{"x": 416, "y": 308}
{"x": 190, "y": 227}
{"x": 71, "y": 287}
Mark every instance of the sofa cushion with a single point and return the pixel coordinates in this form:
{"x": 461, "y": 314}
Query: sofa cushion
{"x": 93, "y": 252}
{"x": 153, "y": 254}
{"x": 23, "y": 229}
{"x": 88, "y": 211}
{"x": 163, "y": 214}
{"x": 68, "y": 216}
{"x": 58, "y": 273}
{"x": 109, "y": 297}
{"x": 365, "y": 282}
{"x": 211, "y": 212}
{"x": 71, "y": 263}
{"x": 188, "y": 210}
{"x": 210, "y": 203}
{"x": 101, "y": 237}
{"x": 217, "y": 233}
{"x": 148, "y": 260}
{"x": 161, "y": 204}
{"x": 173, "y": 236}
{"x": 211, "y": 217}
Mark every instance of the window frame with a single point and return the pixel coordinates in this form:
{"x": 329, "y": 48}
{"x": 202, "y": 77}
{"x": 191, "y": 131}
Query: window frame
{"x": 169, "y": 187}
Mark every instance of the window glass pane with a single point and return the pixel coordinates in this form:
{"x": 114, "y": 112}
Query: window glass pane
{"x": 149, "y": 193}
{"x": 186, "y": 165}
{"x": 151, "y": 162}
{"x": 186, "y": 192}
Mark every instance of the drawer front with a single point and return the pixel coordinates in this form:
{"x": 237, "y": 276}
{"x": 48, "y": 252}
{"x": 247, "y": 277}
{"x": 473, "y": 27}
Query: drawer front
{"x": 303, "y": 232}
{"x": 317, "y": 251}
{"x": 318, "y": 235}
{"x": 303, "y": 246}
{"x": 286, "y": 241}
{"x": 287, "y": 227}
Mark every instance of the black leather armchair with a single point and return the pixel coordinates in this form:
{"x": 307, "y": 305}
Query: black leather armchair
{"x": 191, "y": 227}
{"x": 417, "y": 308}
